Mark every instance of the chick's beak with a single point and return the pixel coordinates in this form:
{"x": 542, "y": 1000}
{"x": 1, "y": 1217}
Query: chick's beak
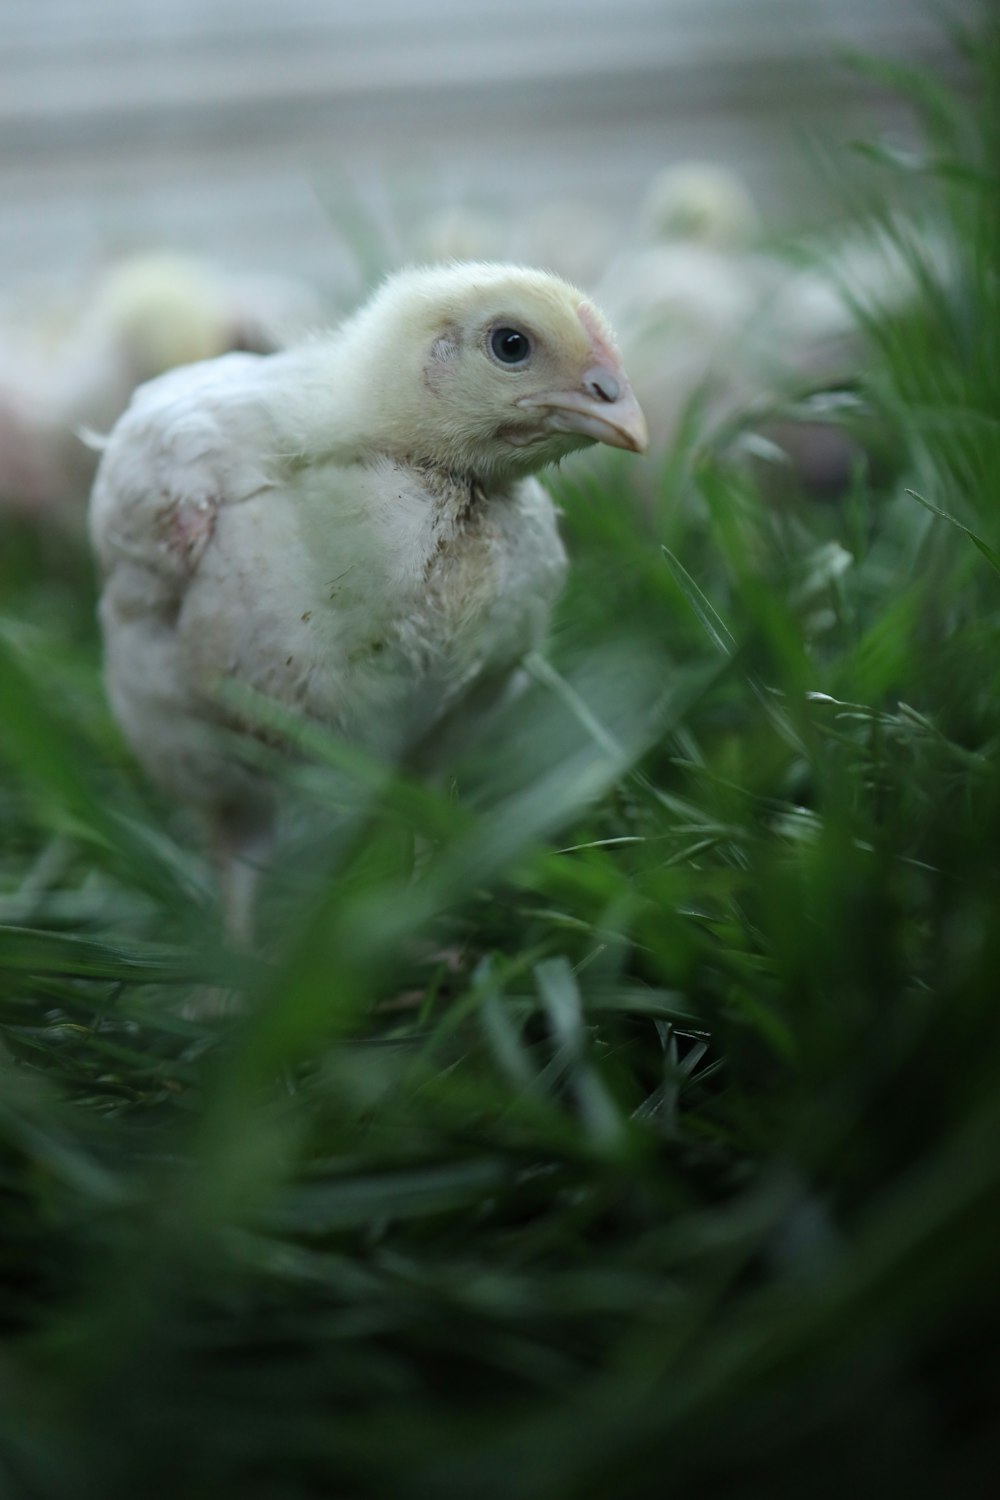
{"x": 602, "y": 407}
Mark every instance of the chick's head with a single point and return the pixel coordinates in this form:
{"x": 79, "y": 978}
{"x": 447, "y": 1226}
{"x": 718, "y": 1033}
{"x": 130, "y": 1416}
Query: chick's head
{"x": 491, "y": 370}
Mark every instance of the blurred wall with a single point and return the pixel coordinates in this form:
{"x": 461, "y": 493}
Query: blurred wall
{"x": 241, "y": 128}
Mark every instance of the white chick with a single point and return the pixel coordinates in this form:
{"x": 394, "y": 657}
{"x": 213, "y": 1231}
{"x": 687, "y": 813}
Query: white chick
{"x": 146, "y": 315}
{"x": 706, "y": 319}
{"x": 686, "y": 299}
{"x": 350, "y": 528}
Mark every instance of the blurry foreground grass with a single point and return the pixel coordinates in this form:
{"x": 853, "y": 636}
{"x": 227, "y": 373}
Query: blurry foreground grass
{"x": 622, "y": 1118}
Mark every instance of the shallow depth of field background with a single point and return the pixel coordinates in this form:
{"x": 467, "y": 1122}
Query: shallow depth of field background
{"x": 256, "y": 133}
{"x": 616, "y": 1113}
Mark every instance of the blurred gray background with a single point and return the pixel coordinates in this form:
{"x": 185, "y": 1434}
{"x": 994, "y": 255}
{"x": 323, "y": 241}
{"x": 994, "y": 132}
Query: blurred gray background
{"x": 267, "y": 135}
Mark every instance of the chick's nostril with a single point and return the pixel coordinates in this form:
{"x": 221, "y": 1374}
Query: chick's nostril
{"x": 601, "y": 383}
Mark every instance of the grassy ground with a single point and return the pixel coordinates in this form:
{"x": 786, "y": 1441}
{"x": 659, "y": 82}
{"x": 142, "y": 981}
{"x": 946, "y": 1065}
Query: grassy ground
{"x": 622, "y": 1118}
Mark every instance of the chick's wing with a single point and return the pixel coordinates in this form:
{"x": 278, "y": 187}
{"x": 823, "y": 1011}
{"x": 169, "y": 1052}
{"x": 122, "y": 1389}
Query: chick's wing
{"x": 172, "y": 461}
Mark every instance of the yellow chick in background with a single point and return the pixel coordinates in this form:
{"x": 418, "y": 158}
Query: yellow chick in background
{"x": 700, "y": 202}
{"x": 351, "y": 528}
{"x": 145, "y": 315}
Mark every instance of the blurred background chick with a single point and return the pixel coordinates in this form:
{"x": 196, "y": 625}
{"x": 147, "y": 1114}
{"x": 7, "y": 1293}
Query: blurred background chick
{"x": 65, "y": 377}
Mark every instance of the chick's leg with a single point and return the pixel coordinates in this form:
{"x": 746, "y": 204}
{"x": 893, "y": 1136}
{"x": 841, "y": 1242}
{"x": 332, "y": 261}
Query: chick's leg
{"x": 242, "y": 847}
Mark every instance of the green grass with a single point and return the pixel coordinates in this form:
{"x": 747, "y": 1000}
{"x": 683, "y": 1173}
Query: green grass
{"x": 622, "y": 1117}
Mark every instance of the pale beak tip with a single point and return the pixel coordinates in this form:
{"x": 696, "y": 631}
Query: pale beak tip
{"x": 630, "y": 431}
{"x": 639, "y": 435}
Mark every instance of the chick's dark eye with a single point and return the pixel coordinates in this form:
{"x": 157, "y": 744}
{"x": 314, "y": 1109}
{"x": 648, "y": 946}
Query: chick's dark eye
{"x": 510, "y": 346}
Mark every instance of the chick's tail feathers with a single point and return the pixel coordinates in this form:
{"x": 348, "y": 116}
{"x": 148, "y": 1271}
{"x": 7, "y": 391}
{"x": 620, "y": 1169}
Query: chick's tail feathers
{"x": 95, "y": 441}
